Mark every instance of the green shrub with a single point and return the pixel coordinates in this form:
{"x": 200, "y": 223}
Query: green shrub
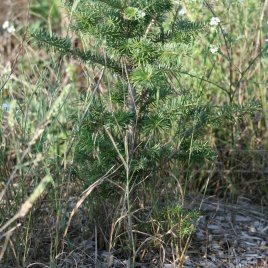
{"x": 140, "y": 123}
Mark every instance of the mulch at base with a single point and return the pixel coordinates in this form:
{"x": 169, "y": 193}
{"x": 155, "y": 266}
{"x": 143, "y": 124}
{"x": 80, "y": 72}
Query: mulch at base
{"x": 227, "y": 235}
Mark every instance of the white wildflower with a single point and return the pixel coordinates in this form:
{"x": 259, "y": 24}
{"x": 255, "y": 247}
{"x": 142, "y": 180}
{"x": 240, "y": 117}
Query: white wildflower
{"x": 8, "y": 27}
{"x": 11, "y": 29}
{"x": 214, "y": 21}
{"x": 140, "y": 14}
{"x": 182, "y": 11}
{"x": 214, "y": 49}
{"x": 5, "y": 25}
{"x": 6, "y": 106}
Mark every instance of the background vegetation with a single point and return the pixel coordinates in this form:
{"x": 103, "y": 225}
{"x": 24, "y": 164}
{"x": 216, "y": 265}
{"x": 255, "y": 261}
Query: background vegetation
{"x": 65, "y": 132}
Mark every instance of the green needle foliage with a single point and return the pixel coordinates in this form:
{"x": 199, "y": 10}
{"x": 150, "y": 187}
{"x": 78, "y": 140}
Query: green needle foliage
{"x": 144, "y": 125}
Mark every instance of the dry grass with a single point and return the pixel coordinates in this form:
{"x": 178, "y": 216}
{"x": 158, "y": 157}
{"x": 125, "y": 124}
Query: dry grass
{"x": 53, "y": 231}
